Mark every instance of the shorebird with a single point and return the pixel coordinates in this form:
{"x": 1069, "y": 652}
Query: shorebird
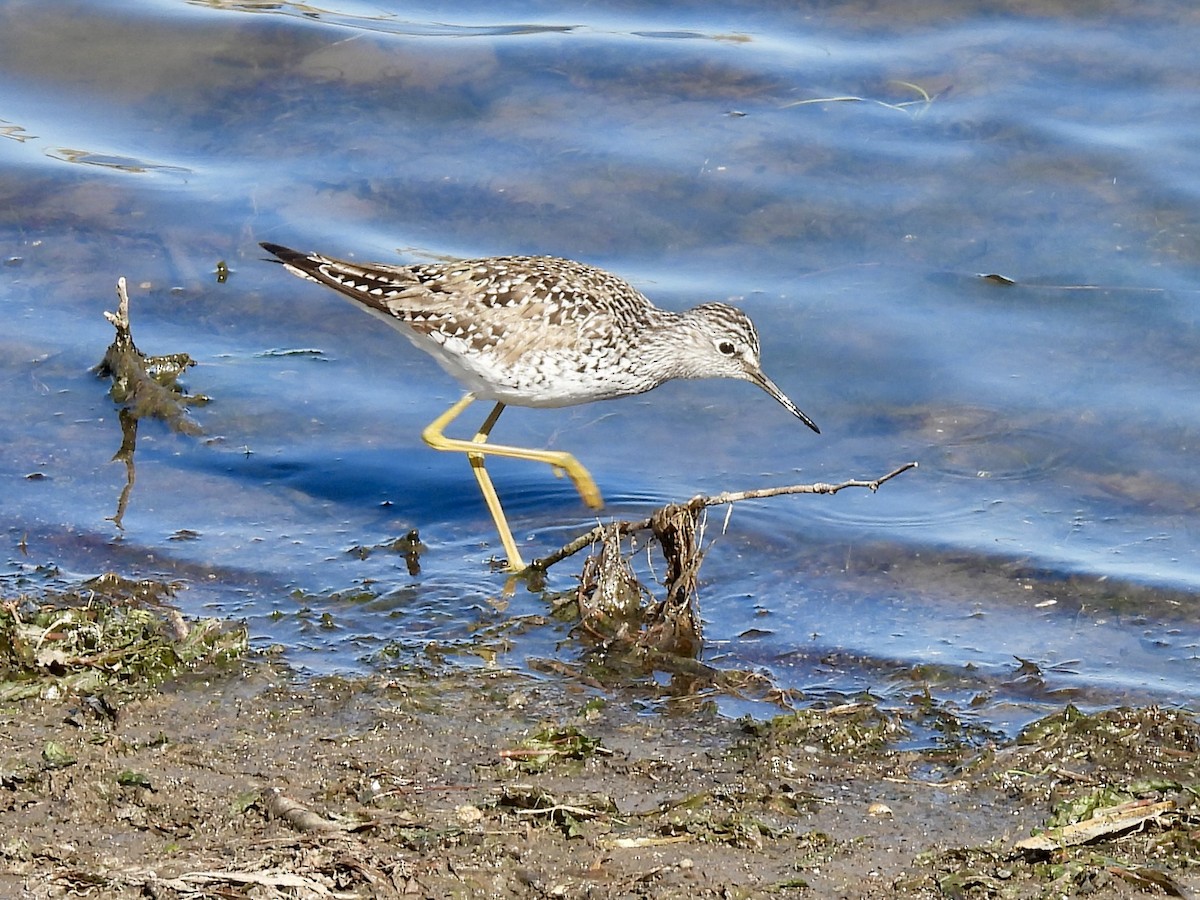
{"x": 544, "y": 332}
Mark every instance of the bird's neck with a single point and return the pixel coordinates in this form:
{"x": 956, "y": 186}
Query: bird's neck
{"x": 665, "y": 348}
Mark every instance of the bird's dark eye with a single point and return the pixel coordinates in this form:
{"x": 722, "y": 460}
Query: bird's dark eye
{"x": 726, "y": 347}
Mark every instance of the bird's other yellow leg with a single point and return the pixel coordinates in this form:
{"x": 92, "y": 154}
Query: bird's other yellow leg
{"x": 512, "y": 554}
{"x": 434, "y": 436}
{"x": 515, "y": 563}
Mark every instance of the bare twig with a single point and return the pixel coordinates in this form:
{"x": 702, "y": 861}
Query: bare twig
{"x": 702, "y": 502}
{"x": 1103, "y": 823}
{"x": 298, "y": 816}
{"x": 579, "y": 812}
{"x": 819, "y": 487}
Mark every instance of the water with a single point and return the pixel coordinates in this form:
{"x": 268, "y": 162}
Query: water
{"x": 846, "y": 175}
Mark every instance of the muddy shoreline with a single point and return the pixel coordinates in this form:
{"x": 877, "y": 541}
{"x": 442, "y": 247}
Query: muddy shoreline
{"x": 242, "y": 780}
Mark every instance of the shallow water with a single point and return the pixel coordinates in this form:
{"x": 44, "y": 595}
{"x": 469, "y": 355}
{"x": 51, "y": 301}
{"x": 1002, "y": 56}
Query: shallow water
{"x": 847, "y": 176}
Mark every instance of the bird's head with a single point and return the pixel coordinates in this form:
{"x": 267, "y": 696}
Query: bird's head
{"x": 725, "y": 345}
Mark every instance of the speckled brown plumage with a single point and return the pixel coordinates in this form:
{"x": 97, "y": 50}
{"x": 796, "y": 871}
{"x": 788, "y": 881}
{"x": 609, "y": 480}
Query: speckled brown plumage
{"x": 542, "y": 331}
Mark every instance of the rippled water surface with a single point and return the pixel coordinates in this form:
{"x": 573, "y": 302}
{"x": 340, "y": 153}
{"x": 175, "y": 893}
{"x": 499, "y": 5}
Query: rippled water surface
{"x": 850, "y": 174}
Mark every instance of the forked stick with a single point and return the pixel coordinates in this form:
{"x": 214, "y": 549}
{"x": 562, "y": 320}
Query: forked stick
{"x": 701, "y": 502}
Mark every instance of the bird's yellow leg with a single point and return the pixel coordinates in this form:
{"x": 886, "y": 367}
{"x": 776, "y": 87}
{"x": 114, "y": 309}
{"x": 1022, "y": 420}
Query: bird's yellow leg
{"x": 434, "y": 436}
{"x": 515, "y": 563}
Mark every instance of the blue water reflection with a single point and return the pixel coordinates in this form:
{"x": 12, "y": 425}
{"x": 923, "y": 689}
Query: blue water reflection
{"x": 847, "y": 176}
